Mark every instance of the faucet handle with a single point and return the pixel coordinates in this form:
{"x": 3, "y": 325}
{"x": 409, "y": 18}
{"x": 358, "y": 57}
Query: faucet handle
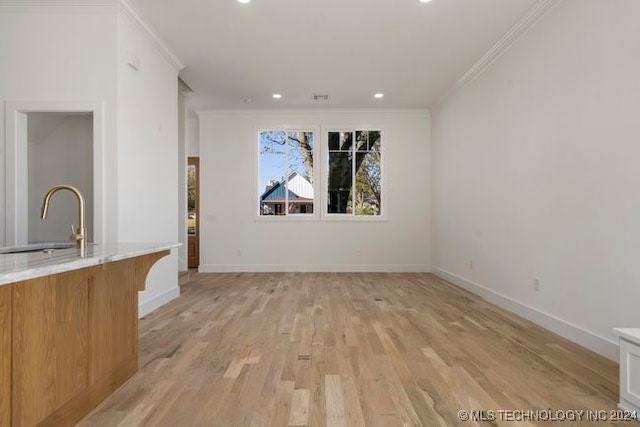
{"x": 76, "y": 235}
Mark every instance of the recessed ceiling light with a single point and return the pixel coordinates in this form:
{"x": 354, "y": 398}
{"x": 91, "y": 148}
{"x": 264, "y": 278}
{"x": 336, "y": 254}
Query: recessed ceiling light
{"x": 421, "y": 1}
{"x": 277, "y": 96}
{"x": 247, "y": 1}
{"x": 378, "y": 95}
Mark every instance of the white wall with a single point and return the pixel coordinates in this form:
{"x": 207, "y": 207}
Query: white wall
{"x": 57, "y": 51}
{"x": 60, "y": 152}
{"x": 182, "y": 182}
{"x": 42, "y": 58}
{"x": 535, "y": 175}
{"x": 232, "y": 239}
{"x": 193, "y": 137}
{"x": 148, "y": 155}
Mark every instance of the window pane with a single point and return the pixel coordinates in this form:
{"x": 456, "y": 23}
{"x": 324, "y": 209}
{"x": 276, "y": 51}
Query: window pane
{"x": 300, "y": 181}
{"x": 272, "y": 172}
{"x": 354, "y": 183}
{"x": 367, "y": 192}
{"x": 362, "y": 139}
{"x": 286, "y": 172}
{"x": 191, "y": 200}
{"x": 339, "y": 182}
{"x": 191, "y": 176}
{"x": 334, "y": 141}
{"x": 368, "y": 185}
{"x": 340, "y": 141}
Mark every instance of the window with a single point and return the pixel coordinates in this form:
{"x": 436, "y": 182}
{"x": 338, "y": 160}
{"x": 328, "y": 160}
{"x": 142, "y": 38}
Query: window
{"x": 285, "y": 184}
{"x": 192, "y": 195}
{"x": 354, "y": 180}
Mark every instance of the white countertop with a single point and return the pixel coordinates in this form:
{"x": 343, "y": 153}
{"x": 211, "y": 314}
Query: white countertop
{"x": 30, "y": 265}
{"x": 630, "y": 334}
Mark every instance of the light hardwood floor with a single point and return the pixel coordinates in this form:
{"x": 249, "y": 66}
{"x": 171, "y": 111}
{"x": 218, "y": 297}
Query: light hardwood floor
{"x": 296, "y": 349}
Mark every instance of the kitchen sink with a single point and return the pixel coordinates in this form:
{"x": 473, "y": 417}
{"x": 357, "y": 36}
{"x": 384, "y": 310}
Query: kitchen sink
{"x": 37, "y": 247}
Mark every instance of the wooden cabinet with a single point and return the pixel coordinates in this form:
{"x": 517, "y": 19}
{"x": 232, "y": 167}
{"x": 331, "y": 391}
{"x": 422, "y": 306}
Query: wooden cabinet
{"x": 50, "y": 338}
{"x": 72, "y": 341}
{"x": 113, "y": 320}
{"x": 5, "y": 355}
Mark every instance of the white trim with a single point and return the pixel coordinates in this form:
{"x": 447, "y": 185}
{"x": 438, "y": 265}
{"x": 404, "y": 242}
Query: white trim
{"x": 629, "y": 408}
{"x": 313, "y": 268}
{"x": 16, "y": 165}
{"x": 601, "y": 345}
{"x": 16, "y": 231}
{"x": 629, "y": 334}
{"x": 347, "y": 217}
{"x": 279, "y": 114}
{"x": 513, "y": 34}
{"x": 324, "y": 159}
{"x": 127, "y": 9}
{"x": 286, "y": 218}
{"x": 315, "y": 216}
{"x": 151, "y": 304}
{"x": 629, "y": 373}
{"x": 58, "y": 6}
{"x": 116, "y": 7}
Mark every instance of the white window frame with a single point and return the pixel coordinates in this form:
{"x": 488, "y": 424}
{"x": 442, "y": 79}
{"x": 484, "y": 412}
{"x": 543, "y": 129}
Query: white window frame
{"x": 324, "y": 158}
{"x": 315, "y": 216}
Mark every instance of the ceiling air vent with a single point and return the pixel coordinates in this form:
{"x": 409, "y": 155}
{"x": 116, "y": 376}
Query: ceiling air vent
{"x": 318, "y": 97}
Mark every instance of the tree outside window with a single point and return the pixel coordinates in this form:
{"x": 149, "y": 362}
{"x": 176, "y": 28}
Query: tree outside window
{"x": 286, "y": 172}
{"x": 354, "y": 180}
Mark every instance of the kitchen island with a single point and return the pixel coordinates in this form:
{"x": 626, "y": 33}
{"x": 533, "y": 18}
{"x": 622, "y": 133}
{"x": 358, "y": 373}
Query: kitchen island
{"x": 68, "y": 329}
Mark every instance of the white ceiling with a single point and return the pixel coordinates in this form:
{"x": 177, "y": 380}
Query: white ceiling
{"x": 349, "y": 49}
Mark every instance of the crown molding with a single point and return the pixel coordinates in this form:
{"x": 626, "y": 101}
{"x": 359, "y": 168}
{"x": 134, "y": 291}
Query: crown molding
{"x": 128, "y": 10}
{"x": 513, "y": 34}
{"x": 58, "y": 6}
{"x": 307, "y": 112}
{"x": 116, "y": 7}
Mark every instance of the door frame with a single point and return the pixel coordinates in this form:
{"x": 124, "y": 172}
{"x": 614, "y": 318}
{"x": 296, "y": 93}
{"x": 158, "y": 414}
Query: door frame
{"x": 194, "y": 161}
{"x": 15, "y": 230}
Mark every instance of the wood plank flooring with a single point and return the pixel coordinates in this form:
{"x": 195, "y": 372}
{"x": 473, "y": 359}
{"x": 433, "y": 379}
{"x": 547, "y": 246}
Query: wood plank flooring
{"x": 307, "y": 349}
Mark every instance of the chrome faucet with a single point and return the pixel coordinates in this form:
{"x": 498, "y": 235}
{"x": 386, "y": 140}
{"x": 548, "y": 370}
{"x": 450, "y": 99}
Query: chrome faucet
{"x": 78, "y": 235}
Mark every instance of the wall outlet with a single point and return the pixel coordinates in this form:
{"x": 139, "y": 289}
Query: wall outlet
{"x": 536, "y": 284}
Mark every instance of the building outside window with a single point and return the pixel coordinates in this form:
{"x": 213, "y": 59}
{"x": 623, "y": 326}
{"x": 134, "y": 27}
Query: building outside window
{"x": 286, "y": 161}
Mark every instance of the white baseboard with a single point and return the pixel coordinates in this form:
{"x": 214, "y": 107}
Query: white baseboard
{"x": 575, "y": 333}
{"x": 314, "y": 268}
{"x": 157, "y": 301}
{"x": 630, "y": 408}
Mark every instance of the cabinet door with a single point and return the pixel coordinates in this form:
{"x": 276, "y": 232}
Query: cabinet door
{"x": 5, "y": 355}
{"x": 113, "y": 319}
{"x": 50, "y": 366}
{"x": 629, "y": 374}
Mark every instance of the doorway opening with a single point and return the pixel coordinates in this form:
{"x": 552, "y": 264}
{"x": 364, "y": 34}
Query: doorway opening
{"x": 59, "y": 151}
{"x": 193, "y": 214}
{"x": 50, "y": 143}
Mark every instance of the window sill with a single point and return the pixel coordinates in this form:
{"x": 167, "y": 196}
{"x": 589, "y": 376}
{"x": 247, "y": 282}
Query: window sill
{"x": 352, "y": 218}
{"x": 286, "y": 218}
{"x": 321, "y": 218}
